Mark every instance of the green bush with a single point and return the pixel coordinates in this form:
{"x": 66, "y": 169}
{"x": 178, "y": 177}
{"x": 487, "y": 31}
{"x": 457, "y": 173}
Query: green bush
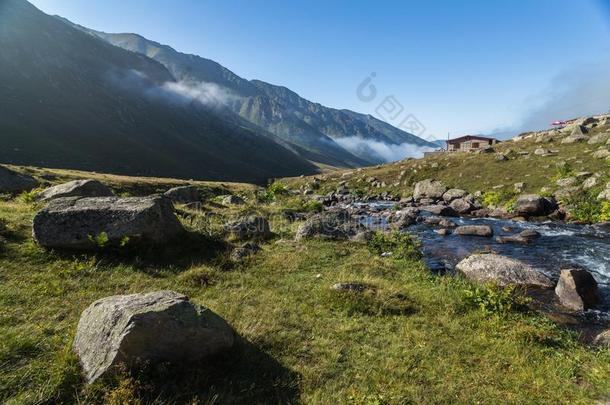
{"x": 495, "y": 199}
{"x": 491, "y": 299}
{"x": 31, "y": 196}
{"x": 585, "y": 207}
{"x": 402, "y": 245}
{"x": 564, "y": 170}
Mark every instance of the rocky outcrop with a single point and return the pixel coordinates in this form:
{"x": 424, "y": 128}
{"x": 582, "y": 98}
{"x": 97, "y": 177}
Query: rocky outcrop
{"x": 337, "y": 225}
{"x": 532, "y": 205}
{"x": 252, "y": 227}
{"x": 576, "y": 136}
{"x": 80, "y": 223}
{"x": 183, "y": 195}
{"x": 129, "y": 330}
{"x": 429, "y": 189}
{"x": 13, "y": 182}
{"x": 76, "y": 188}
{"x": 577, "y": 289}
{"x": 503, "y": 271}
{"x": 474, "y": 230}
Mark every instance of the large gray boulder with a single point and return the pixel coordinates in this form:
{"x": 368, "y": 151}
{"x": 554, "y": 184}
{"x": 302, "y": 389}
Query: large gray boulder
{"x": 532, "y": 205}
{"x": 183, "y": 195}
{"x": 251, "y": 227}
{"x": 503, "y": 271}
{"x": 577, "y": 289}
{"x": 337, "y": 225}
{"x": 76, "y": 188}
{"x": 129, "y": 330}
{"x": 76, "y": 223}
{"x": 429, "y": 189}
{"x": 13, "y": 182}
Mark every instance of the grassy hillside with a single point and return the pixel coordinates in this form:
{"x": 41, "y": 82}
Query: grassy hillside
{"x": 485, "y": 173}
{"x": 413, "y": 338}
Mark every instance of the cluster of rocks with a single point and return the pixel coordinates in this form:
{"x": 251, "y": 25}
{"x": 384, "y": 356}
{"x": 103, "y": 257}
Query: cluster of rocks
{"x": 575, "y": 290}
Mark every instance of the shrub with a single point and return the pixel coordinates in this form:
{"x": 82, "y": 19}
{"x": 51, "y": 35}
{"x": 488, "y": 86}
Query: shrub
{"x": 491, "y": 299}
{"x": 30, "y": 197}
{"x": 402, "y": 245}
{"x": 585, "y": 207}
{"x": 563, "y": 170}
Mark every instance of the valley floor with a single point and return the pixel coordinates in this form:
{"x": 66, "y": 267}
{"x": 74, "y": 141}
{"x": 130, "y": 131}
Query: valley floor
{"x": 416, "y": 338}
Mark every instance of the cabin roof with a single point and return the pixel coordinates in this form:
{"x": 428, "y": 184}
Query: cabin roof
{"x": 470, "y": 138}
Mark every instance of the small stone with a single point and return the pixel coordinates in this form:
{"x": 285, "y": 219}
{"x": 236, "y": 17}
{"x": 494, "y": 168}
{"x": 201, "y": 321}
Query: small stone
{"x": 474, "y": 230}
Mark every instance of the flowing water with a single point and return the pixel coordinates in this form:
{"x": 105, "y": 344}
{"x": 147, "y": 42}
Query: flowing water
{"x": 559, "y": 246}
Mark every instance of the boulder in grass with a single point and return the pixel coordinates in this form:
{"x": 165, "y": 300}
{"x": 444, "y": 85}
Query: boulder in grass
{"x": 158, "y": 327}
{"x": 251, "y": 227}
{"x": 183, "y": 195}
{"x": 577, "y": 289}
{"x": 602, "y": 339}
{"x": 82, "y": 223}
{"x": 76, "y": 188}
{"x": 336, "y": 225}
{"x": 233, "y": 200}
{"x": 244, "y": 251}
{"x": 13, "y": 182}
{"x": 503, "y": 271}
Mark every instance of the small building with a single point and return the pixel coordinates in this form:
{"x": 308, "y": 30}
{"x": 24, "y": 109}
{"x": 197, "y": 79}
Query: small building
{"x": 470, "y": 143}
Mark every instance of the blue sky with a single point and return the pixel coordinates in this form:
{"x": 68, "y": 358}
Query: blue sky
{"x": 461, "y": 67}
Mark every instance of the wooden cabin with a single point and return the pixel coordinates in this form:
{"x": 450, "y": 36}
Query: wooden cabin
{"x": 470, "y": 143}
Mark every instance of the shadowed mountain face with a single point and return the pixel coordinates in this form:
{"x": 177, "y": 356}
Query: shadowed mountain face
{"x": 309, "y": 127}
{"x": 72, "y": 100}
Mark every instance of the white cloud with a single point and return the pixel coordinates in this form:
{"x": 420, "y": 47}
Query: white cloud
{"x": 205, "y": 93}
{"x": 387, "y": 152}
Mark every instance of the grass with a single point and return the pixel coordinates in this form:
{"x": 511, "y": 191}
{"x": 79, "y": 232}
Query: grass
{"x": 411, "y": 337}
{"x": 479, "y": 172}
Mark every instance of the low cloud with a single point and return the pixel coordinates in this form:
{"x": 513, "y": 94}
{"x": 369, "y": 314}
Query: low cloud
{"x": 209, "y": 94}
{"x": 384, "y": 151}
{"x": 182, "y": 92}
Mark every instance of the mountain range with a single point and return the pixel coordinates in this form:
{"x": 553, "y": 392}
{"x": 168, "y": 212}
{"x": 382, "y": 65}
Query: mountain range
{"x": 78, "y": 98}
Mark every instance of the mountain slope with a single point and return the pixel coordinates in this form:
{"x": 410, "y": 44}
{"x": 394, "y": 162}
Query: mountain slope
{"x": 73, "y": 100}
{"x": 244, "y": 98}
{"x": 310, "y": 127}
